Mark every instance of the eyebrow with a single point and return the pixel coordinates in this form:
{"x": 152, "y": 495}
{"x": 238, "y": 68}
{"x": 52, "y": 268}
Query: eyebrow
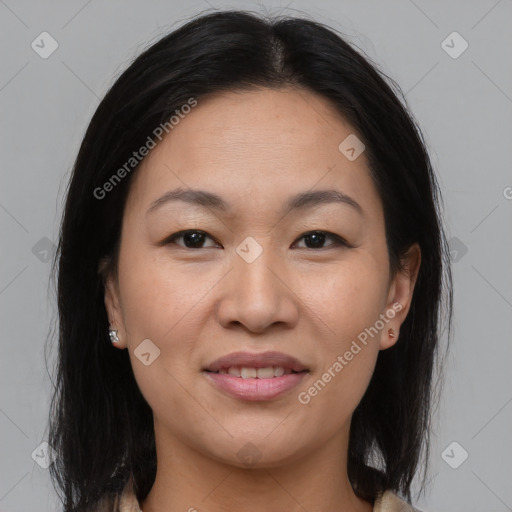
{"x": 212, "y": 201}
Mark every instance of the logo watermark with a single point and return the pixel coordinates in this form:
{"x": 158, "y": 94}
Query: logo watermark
{"x": 305, "y": 397}
{"x": 138, "y": 156}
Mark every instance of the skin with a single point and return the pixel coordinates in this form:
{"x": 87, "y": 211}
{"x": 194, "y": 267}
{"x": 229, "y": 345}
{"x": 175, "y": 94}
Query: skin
{"x": 197, "y": 304}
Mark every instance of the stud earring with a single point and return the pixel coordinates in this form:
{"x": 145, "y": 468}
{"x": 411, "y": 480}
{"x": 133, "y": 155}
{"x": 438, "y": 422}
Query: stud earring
{"x": 391, "y": 334}
{"x": 113, "y": 336}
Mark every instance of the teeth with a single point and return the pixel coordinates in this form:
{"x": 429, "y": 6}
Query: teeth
{"x": 244, "y": 372}
{"x": 248, "y": 373}
{"x": 265, "y": 373}
{"x": 278, "y": 371}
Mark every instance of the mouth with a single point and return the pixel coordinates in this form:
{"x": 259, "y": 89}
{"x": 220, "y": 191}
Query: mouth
{"x": 255, "y": 377}
{"x": 246, "y": 372}
{"x": 250, "y": 361}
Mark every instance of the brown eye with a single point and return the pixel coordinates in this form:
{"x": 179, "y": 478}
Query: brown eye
{"x": 192, "y": 239}
{"x": 316, "y": 240}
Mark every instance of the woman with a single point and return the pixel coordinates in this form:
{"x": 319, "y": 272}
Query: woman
{"x": 251, "y": 273}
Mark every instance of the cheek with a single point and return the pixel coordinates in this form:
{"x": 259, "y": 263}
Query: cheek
{"x": 156, "y": 295}
{"x": 165, "y": 304}
{"x": 348, "y": 298}
{"x": 349, "y": 306}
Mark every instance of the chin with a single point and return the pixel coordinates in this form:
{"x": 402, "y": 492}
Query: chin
{"x": 253, "y": 452}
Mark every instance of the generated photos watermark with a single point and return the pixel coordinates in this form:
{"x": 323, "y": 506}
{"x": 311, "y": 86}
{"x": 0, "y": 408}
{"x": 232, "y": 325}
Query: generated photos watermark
{"x": 138, "y": 156}
{"x": 343, "y": 360}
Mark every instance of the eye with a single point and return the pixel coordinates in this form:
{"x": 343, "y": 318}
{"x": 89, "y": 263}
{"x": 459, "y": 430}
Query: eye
{"x": 316, "y": 239}
{"x": 195, "y": 239}
{"x": 192, "y": 239}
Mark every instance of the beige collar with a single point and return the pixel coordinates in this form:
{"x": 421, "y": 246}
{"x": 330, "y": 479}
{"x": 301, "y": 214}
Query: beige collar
{"x": 390, "y": 502}
{"x": 387, "y": 502}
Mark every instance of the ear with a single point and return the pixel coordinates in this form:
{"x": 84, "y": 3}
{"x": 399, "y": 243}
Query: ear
{"x": 112, "y": 303}
{"x": 400, "y": 296}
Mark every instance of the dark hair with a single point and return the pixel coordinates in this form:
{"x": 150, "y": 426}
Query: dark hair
{"x": 101, "y": 427}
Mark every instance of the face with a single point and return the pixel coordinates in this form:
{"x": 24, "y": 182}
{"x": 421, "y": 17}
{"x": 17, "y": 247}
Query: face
{"x": 258, "y": 268}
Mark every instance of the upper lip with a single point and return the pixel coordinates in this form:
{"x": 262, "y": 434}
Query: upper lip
{"x": 256, "y": 360}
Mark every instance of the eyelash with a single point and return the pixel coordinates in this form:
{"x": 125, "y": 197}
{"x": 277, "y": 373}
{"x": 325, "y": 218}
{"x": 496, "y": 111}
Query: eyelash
{"x": 338, "y": 241}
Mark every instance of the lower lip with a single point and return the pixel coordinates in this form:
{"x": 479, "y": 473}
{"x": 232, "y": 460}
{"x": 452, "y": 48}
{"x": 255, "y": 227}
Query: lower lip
{"x": 255, "y": 389}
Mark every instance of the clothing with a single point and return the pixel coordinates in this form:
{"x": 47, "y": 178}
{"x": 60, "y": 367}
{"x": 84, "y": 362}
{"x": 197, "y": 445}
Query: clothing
{"x": 387, "y": 502}
{"x": 390, "y": 502}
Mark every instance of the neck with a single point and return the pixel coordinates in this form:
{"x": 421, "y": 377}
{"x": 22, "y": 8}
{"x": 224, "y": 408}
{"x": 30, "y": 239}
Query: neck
{"x": 190, "y": 481}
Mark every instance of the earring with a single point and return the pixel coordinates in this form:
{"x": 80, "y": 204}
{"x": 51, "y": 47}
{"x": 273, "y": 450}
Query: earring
{"x": 391, "y": 333}
{"x": 113, "y": 336}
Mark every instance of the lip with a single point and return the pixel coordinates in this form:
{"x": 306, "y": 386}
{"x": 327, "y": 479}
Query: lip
{"x": 256, "y": 360}
{"x": 255, "y": 389}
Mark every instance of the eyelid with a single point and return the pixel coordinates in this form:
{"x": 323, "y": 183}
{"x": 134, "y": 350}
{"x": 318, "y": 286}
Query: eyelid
{"x": 338, "y": 240}
{"x": 178, "y": 234}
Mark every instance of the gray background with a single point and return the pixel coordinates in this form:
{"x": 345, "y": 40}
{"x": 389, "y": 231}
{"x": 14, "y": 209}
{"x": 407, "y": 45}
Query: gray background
{"x": 464, "y": 106}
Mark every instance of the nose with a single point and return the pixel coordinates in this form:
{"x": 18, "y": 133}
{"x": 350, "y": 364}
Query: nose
{"x": 258, "y": 295}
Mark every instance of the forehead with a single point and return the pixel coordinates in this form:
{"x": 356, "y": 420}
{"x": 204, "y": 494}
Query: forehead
{"x": 260, "y": 145}
{"x": 271, "y": 122}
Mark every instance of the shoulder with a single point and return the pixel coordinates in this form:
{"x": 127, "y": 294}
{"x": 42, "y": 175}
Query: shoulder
{"x": 390, "y": 502}
{"x": 125, "y": 501}
{"x": 128, "y": 501}
{"x": 385, "y": 502}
